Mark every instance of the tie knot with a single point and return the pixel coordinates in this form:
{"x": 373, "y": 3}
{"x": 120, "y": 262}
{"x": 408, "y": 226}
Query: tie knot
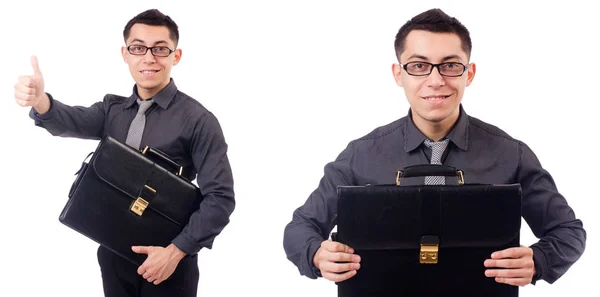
{"x": 436, "y": 145}
{"x": 144, "y": 105}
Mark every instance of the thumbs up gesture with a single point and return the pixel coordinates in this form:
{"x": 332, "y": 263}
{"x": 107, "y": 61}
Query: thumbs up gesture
{"x": 29, "y": 90}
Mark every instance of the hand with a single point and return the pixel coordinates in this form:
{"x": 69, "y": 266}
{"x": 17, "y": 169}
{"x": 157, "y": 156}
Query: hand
{"x": 336, "y": 261}
{"x": 161, "y": 262}
{"x": 29, "y": 90}
{"x": 518, "y": 265}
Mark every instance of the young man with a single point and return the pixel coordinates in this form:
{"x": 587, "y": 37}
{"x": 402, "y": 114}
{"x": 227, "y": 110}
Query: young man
{"x": 434, "y": 68}
{"x": 174, "y": 123}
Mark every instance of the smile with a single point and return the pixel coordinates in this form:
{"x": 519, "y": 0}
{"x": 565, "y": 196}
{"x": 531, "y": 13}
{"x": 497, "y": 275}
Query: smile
{"x": 435, "y": 98}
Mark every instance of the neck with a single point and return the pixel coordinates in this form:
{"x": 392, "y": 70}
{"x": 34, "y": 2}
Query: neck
{"x": 435, "y": 130}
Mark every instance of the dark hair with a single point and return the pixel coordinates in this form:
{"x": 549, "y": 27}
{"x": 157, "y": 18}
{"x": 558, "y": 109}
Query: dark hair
{"x": 433, "y": 20}
{"x": 153, "y": 17}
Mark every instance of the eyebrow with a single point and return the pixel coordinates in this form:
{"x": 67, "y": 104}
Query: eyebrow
{"x": 446, "y": 58}
{"x": 155, "y": 43}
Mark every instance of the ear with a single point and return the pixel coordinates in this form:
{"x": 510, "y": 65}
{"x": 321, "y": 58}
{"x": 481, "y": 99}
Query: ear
{"x": 471, "y": 73}
{"x": 397, "y": 72}
{"x": 124, "y": 53}
{"x": 177, "y": 54}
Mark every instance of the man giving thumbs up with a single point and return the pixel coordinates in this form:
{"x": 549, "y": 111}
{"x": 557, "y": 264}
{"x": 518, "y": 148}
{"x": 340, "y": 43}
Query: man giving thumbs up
{"x": 174, "y": 123}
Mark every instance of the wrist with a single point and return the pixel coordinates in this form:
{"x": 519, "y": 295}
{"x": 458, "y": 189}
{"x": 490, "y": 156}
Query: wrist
{"x": 43, "y": 105}
{"x": 175, "y": 252}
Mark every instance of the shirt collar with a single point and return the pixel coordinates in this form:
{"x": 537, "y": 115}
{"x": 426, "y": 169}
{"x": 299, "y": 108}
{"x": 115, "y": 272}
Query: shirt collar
{"x": 163, "y": 98}
{"x": 459, "y": 134}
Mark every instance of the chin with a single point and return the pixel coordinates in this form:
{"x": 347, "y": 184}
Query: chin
{"x": 436, "y": 117}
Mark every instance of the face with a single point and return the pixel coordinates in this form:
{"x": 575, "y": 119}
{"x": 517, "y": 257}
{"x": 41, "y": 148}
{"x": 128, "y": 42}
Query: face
{"x": 151, "y": 74}
{"x": 434, "y": 99}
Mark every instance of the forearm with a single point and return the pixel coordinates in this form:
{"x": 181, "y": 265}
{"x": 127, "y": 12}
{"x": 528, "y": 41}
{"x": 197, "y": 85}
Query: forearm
{"x": 71, "y": 121}
{"x": 301, "y": 240}
{"x": 206, "y": 223}
{"x": 558, "y": 250}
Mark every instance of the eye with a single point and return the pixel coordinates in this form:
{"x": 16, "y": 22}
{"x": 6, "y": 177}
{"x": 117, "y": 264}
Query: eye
{"x": 452, "y": 65}
{"x": 137, "y": 48}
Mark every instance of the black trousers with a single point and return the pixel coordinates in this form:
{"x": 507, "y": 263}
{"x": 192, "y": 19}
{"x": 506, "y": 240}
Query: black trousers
{"x": 120, "y": 278}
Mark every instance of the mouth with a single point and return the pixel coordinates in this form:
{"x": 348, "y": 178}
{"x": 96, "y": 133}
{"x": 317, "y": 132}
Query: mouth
{"x": 436, "y": 98}
{"x": 149, "y": 72}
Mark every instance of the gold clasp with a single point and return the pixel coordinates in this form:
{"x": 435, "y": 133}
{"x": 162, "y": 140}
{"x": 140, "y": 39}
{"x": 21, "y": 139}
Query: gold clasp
{"x": 429, "y": 254}
{"x": 139, "y": 205}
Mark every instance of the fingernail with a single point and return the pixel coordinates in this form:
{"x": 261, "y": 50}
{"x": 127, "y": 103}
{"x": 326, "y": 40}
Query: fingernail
{"x": 356, "y": 258}
{"x": 351, "y": 250}
{"x": 494, "y": 255}
{"x": 356, "y": 266}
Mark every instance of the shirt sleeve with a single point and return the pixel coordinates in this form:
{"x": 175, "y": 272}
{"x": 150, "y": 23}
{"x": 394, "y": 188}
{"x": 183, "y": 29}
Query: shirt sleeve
{"x": 215, "y": 180}
{"x": 561, "y": 235}
{"x": 71, "y": 121}
{"x": 312, "y": 222}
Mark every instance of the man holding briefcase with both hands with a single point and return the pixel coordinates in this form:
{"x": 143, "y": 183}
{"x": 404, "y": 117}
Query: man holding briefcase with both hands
{"x": 158, "y": 115}
{"x": 433, "y": 50}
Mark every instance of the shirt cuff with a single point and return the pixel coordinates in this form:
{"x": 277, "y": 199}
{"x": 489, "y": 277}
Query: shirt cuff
{"x": 539, "y": 262}
{"x": 46, "y": 116}
{"x": 312, "y": 250}
{"x": 186, "y": 244}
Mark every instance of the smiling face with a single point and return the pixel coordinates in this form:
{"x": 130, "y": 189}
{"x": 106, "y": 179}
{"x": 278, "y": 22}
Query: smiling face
{"x": 151, "y": 73}
{"x": 434, "y": 99}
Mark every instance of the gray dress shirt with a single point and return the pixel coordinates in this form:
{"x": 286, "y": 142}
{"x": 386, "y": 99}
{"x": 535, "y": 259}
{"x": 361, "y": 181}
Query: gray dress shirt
{"x": 177, "y": 125}
{"x": 485, "y": 153}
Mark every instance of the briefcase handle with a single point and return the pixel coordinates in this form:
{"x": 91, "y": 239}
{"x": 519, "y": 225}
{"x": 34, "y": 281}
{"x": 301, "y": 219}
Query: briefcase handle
{"x": 430, "y": 170}
{"x": 163, "y": 159}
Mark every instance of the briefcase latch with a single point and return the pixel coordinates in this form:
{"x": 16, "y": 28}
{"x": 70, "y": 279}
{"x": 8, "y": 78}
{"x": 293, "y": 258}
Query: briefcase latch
{"x": 429, "y": 250}
{"x": 138, "y": 206}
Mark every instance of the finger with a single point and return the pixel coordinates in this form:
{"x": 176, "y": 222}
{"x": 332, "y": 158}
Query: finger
{"x": 26, "y": 80}
{"x": 141, "y": 249}
{"x": 508, "y": 263}
{"x": 342, "y": 257}
{"x": 339, "y": 277}
{"x": 515, "y": 252}
{"x": 35, "y": 65}
{"x": 333, "y": 246}
{"x": 513, "y": 281}
{"x": 509, "y": 273}
{"x": 24, "y": 97}
{"x": 147, "y": 275}
{"x": 338, "y": 267}
{"x": 157, "y": 282}
{"x": 24, "y": 89}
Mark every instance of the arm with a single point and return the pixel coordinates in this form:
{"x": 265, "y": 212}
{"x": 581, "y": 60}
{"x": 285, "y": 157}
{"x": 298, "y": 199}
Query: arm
{"x": 215, "y": 180}
{"x": 71, "y": 121}
{"x": 546, "y": 211}
{"x": 313, "y": 221}
{"x": 59, "y": 119}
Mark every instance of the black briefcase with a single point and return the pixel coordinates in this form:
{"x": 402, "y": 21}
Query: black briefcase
{"x": 124, "y": 197}
{"x": 427, "y": 240}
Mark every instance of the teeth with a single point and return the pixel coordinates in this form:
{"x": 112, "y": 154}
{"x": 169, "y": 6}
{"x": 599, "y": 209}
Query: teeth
{"x": 435, "y": 98}
{"x": 148, "y": 71}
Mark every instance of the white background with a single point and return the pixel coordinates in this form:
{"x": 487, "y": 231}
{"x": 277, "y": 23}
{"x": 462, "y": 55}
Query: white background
{"x": 292, "y": 82}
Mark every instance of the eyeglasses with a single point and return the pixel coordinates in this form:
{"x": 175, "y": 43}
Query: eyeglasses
{"x": 450, "y": 69}
{"x": 157, "y": 51}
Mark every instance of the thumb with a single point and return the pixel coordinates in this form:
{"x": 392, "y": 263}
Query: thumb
{"x": 35, "y": 66}
{"x": 141, "y": 249}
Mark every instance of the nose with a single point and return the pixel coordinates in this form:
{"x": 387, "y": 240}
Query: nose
{"x": 435, "y": 79}
{"x": 149, "y": 57}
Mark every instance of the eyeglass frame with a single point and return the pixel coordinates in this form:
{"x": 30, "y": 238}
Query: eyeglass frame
{"x": 404, "y": 66}
{"x": 150, "y": 48}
